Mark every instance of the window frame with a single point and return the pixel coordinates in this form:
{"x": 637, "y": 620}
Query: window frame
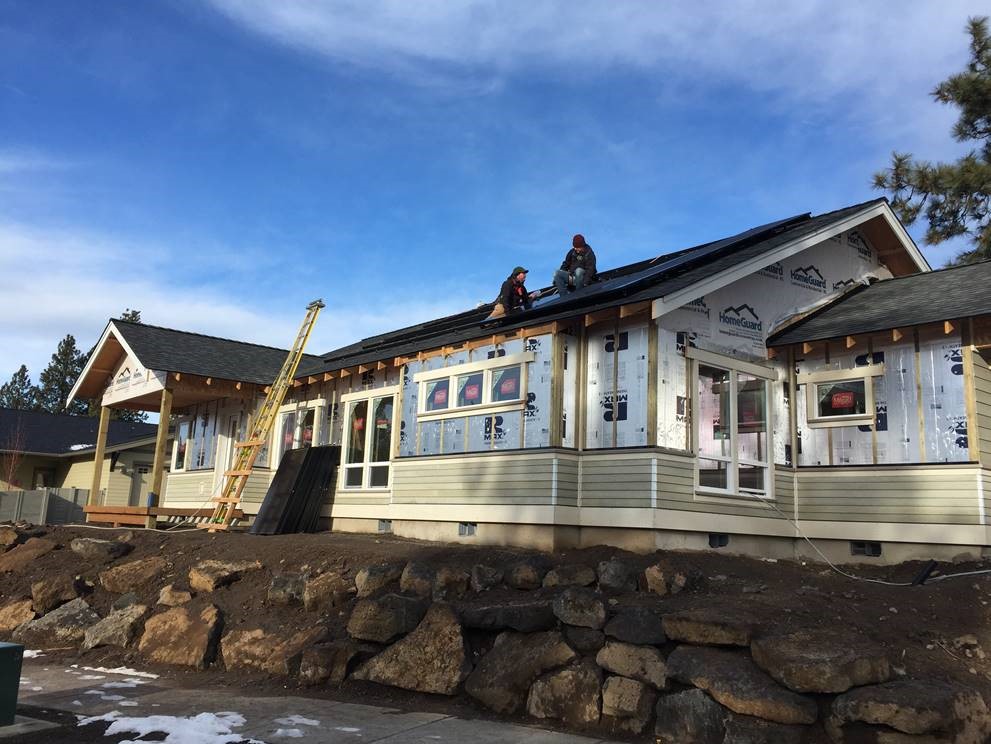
{"x": 348, "y": 400}
{"x": 487, "y": 406}
{"x": 812, "y": 380}
{"x": 734, "y": 367}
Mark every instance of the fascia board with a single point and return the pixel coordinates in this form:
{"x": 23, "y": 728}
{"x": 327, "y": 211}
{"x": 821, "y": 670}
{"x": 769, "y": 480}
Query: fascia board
{"x": 663, "y": 305}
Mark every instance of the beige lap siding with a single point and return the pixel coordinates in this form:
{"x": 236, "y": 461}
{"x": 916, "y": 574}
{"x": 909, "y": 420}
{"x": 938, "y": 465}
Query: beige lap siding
{"x": 946, "y": 494}
{"x": 982, "y": 403}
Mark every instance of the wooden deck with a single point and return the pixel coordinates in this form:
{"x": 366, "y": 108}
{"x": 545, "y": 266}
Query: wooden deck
{"x": 147, "y": 516}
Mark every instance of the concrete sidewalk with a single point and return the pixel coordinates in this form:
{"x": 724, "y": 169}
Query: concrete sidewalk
{"x": 87, "y": 692}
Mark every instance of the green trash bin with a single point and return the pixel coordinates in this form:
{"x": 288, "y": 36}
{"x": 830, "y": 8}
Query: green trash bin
{"x": 11, "y": 656}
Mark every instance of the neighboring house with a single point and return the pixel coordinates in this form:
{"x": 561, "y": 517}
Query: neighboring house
{"x": 44, "y": 450}
{"x": 665, "y": 405}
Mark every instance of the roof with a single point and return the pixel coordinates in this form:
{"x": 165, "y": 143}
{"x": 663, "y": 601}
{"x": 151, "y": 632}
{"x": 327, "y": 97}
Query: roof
{"x": 40, "y": 432}
{"x": 208, "y": 356}
{"x": 929, "y": 297}
{"x": 644, "y": 280}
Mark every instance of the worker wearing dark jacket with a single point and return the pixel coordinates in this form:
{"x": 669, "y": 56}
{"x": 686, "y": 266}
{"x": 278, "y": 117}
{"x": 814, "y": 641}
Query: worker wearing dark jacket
{"x": 513, "y": 296}
{"x": 578, "y": 267}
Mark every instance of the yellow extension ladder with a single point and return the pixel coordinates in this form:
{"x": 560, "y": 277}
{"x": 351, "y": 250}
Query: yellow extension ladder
{"x": 247, "y": 451}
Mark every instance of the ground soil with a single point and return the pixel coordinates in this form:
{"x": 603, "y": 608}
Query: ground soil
{"x": 916, "y": 625}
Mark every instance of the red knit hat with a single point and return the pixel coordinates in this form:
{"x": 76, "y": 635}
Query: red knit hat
{"x": 578, "y": 240}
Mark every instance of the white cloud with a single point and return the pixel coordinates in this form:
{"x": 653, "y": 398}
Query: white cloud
{"x": 809, "y": 52}
{"x": 54, "y": 282}
{"x": 19, "y": 161}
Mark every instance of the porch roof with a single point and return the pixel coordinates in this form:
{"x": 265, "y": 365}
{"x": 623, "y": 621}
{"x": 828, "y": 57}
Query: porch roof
{"x": 929, "y": 297}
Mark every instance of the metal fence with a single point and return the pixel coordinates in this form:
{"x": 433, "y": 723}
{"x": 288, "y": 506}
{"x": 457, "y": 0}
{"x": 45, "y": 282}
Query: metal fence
{"x": 44, "y": 505}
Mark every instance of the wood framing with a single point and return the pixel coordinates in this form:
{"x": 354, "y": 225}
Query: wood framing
{"x": 101, "y": 444}
{"x": 161, "y": 438}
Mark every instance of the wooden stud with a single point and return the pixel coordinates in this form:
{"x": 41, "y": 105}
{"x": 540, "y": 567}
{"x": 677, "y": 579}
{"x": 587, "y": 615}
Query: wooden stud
{"x": 970, "y": 392}
{"x": 896, "y": 335}
{"x": 636, "y": 308}
{"x": 652, "y": 382}
{"x": 948, "y": 327}
{"x": 918, "y": 395}
{"x": 101, "y": 444}
{"x": 557, "y": 390}
{"x": 850, "y": 342}
{"x": 158, "y": 466}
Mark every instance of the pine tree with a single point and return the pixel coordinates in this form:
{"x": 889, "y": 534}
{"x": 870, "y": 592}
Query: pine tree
{"x": 954, "y": 197}
{"x": 134, "y": 316}
{"x": 59, "y": 376}
{"x": 19, "y": 393}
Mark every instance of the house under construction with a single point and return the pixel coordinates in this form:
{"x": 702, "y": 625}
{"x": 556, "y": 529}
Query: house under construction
{"x": 807, "y": 377}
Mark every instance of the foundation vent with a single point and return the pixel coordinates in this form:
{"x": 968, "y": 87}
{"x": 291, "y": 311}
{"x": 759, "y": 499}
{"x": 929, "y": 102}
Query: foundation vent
{"x": 385, "y": 525}
{"x": 866, "y": 548}
{"x": 718, "y": 539}
{"x": 467, "y": 529}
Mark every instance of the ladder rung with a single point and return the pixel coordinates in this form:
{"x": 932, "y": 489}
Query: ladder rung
{"x": 225, "y": 500}
{"x": 238, "y": 472}
{"x": 249, "y": 443}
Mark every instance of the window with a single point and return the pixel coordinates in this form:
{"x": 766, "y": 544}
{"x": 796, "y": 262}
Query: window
{"x": 370, "y": 422}
{"x": 840, "y": 397}
{"x": 287, "y": 433}
{"x": 181, "y": 444}
{"x": 732, "y": 424}
{"x": 494, "y": 385}
{"x": 306, "y": 428}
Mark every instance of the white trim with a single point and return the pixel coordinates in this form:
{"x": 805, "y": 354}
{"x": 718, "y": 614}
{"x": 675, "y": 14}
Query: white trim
{"x": 841, "y": 375}
{"x": 487, "y": 409}
{"x": 812, "y": 380}
{"x": 348, "y": 400}
{"x": 370, "y": 392}
{"x": 720, "y": 360}
{"x": 469, "y": 367}
{"x": 663, "y": 305}
{"x": 554, "y": 481}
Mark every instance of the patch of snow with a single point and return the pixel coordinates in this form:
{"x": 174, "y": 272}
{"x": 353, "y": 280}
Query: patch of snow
{"x": 129, "y": 703}
{"x": 126, "y": 684}
{"x": 37, "y": 689}
{"x": 347, "y": 729}
{"x": 77, "y": 702}
{"x": 203, "y": 728}
{"x": 297, "y": 721}
{"x": 89, "y": 677}
{"x": 32, "y": 654}
{"x": 75, "y": 447}
{"x": 104, "y": 697}
{"x": 119, "y": 670}
{"x": 289, "y": 733}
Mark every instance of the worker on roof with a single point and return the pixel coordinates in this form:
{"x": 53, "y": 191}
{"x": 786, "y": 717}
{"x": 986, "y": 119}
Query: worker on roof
{"x": 513, "y": 297}
{"x": 578, "y": 268}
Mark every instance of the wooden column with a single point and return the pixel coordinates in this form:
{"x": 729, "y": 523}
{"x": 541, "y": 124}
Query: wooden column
{"x": 161, "y": 438}
{"x": 101, "y": 444}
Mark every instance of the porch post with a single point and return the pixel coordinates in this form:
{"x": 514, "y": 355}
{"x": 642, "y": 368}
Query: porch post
{"x": 101, "y": 443}
{"x": 161, "y": 437}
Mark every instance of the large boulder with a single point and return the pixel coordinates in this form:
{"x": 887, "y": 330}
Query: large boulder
{"x": 56, "y": 590}
{"x": 119, "y": 628}
{"x": 133, "y": 575}
{"x": 15, "y": 614}
{"x": 418, "y": 579}
{"x": 661, "y": 579}
{"x": 330, "y": 663}
{"x": 22, "y": 556}
{"x": 432, "y": 658}
{"x": 327, "y": 591}
{"x": 581, "y": 607}
{"x": 526, "y": 616}
{"x": 9, "y": 537}
{"x": 572, "y": 695}
{"x": 371, "y": 579}
{"x": 689, "y": 717}
{"x": 384, "y": 619}
{"x": 750, "y": 730}
{"x": 65, "y": 626}
{"x": 269, "y": 652}
{"x": 617, "y": 577}
{"x": 949, "y": 711}
{"x": 182, "y": 636}
{"x": 736, "y": 682}
{"x": 99, "y": 551}
{"x": 287, "y": 589}
{"x": 484, "y": 577}
{"x": 172, "y": 597}
{"x": 526, "y": 574}
{"x": 628, "y": 703}
{"x": 643, "y": 663}
{"x": 450, "y": 583}
{"x": 208, "y": 576}
{"x": 821, "y": 661}
{"x": 637, "y": 625}
{"x": 570, "y": 576}
{"x": 584, "y": 640}
{"x": 503, "y": 677}
{"x": 710, "y": 626}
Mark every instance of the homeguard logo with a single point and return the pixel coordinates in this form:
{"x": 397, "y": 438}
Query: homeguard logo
{"x": 844, "y": 284}
{"x": 774, "y": 271}
{"x": 744, "y": 321}
{"x": 808, "y": 277}
{"x": 855, "y": 241}
{"x": 698, "y": 306}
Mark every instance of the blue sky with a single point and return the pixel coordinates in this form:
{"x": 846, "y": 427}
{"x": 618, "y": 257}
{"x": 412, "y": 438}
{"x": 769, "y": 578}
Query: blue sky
{"x": 219, "y": 164}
